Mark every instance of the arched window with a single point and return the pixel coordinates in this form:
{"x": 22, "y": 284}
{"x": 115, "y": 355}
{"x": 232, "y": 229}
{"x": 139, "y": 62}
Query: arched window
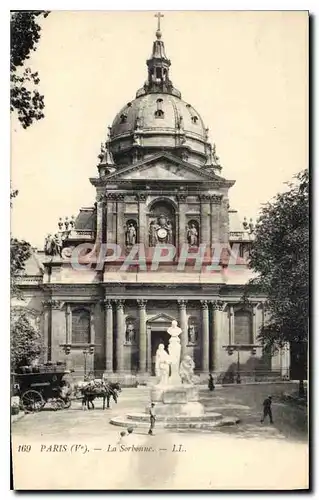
{"x": 194, "y": 119}
{"x": 159, "y": 113}
{"x": 123, "y": 118}
{"x": 243, "y": 327}
{"x": 81, "y": 326}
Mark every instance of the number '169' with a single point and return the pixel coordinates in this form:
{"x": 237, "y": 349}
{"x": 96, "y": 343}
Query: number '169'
{"x": 24, "y": 447}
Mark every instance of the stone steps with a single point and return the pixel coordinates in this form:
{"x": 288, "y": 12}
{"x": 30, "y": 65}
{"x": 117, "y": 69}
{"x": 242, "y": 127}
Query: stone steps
{"x": 144, "y": 417}
{"x": 179, "y": 424}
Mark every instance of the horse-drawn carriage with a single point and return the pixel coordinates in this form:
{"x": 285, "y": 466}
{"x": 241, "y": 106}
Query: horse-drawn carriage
{"x": 43, "y": 385}
{"x": 93, "y": 388}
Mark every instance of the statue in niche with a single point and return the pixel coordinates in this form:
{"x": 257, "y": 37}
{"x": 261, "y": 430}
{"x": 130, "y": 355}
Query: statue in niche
{"x": 130, "y": 333}
{"x": 161, "y": 231}
{"x": 153, "y": 233}
{"x": 192, "y": 235}
{"x": 130, "y": 234}
{"x": 192, "y": 335}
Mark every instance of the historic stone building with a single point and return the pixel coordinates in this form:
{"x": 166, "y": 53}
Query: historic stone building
{"x": 159, "y": 181}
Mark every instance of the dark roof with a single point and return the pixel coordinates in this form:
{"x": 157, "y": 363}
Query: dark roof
{"x": 85, "y": 220}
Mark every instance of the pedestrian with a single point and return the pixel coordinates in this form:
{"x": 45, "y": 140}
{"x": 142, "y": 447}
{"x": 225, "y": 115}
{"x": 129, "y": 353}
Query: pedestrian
{"x": 267, "y": 409}
{"x": 152, "y": 419}
{"x": 122, "y": 437}
{"x": 211, "y": 385}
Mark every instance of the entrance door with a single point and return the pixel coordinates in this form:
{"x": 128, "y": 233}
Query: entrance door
{"x": 157, "y": 338}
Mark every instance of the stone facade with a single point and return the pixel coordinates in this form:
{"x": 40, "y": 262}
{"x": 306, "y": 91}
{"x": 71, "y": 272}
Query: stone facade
{"x": 158, "y": 183}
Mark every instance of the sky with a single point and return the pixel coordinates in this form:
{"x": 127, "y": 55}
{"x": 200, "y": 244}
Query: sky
{"x": 246, "y": 73}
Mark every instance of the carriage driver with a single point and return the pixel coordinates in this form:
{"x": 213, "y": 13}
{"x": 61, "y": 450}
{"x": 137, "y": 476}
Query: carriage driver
{"x": 66, "y": 385}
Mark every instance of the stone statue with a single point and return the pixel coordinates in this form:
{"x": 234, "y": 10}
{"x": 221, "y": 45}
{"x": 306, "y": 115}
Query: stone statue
{"x": 192, "y": 235}
{"x": 58, "y": 244}
{"x": 153, "y": 233}
{"x": 251, "y": 226}
{"x": 174, "y": 350}
{"x": 162, "y": 365}
{"x": 169, "y": 232}
{"x": 160, "y": 231}
{"x": 60, "y": 224}
{"x": 192, "y": 334}
{"x": 215, "y": 158}
{"x": 130, "y": 234}
{"x": 186, "y": 370}
{"x": 245, "y": 224}
{"x": 130, "y": 333}
{"x": 50, "y": 247}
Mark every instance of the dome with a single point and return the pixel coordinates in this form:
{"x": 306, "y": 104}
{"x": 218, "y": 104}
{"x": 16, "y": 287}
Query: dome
{"x": 159, "y": 121}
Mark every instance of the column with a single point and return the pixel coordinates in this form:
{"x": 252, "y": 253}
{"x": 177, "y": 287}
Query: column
{"x": 231, "y": 325}
{"x": 142, "y": 335}
{"x": 204, "y": 219}
{"x": 205, "y": 336}
{"x": 92, "y": 325}
{"x": 119, "y": 335}
{"x": 120, "y": 231}
{"x": 183, "y": 325}
{"x": 99, "y": 217}
{"x": 108, "y": 336}
{"x": 181, "y": 239}
{"x": 218, "y": 307}
{"x": 110, "y": 226}
{"x": 254, "y": 319}
{"x": 68, "y": 324}
{"x": 142, "y": 229}
{"x": 215, "y": 218}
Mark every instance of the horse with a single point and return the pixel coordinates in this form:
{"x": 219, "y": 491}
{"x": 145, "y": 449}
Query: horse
{"x": 99, "y": 389}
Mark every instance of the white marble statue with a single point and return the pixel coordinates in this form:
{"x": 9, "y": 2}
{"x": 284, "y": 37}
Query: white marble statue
{"x": 186, "y": 370}
{"x": 162, "y": 363}
{"x": 174, "y": 350}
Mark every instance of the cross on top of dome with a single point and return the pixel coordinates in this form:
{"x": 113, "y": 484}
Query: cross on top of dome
{"x": 158, "y": 32}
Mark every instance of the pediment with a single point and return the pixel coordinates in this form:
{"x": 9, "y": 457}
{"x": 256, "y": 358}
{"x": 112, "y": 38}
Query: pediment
{"x": 161, "y": 318}
{"x": 162, "y": 167}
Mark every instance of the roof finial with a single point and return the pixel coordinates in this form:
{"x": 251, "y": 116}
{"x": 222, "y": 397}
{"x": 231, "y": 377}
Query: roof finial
{"x": 158, "y": 32}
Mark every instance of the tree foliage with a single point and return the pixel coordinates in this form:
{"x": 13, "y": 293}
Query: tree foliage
{"x": 26, "y": 341}
{"x": 280, "y": 257}
{"x": 26, "y": 101}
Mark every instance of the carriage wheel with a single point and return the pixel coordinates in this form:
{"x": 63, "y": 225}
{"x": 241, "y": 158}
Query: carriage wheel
{"x": 32, "y": 400}
{"x": 57, "y": 404}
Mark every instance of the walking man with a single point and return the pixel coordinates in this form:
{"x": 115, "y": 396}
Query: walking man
{"x": 267, "y": 409}
{"x": 152, "y": 419}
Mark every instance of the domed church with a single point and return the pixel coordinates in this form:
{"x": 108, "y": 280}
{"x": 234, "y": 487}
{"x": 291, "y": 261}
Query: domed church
{"x": 167, "y": 246}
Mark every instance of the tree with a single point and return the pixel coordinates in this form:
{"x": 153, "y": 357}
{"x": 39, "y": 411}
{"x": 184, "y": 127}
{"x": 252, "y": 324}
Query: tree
{"x": 280, "y": 257}
{"x": 26, "y": 101}
{"x": 26, "y": 341}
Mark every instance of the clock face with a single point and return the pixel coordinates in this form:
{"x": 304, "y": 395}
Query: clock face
{"x": 161, "y": 233}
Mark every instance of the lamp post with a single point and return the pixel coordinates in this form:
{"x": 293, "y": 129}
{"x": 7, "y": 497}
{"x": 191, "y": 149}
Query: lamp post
{"x": 238, "y": 379}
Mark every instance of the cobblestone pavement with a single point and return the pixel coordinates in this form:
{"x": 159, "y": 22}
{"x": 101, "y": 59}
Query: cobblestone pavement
{"x": 249, "y": 455}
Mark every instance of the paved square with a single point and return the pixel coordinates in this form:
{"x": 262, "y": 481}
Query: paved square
{"x": 249, "y": 455}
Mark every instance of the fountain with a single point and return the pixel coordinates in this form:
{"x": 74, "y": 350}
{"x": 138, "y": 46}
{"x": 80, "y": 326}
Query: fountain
{"x": 175, "y": 396}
